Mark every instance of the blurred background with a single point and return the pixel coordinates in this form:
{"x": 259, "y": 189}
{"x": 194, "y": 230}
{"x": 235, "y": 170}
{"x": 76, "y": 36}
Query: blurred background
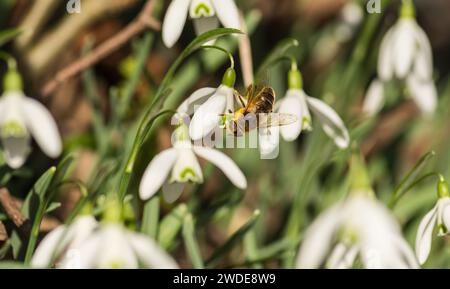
{"x": 337, "y": 54}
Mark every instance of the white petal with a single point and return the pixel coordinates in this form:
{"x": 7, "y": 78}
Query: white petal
{"x": 156, "y": 173}
{"x": 424, "y": 94}
{"x": 331, "y": 123}
{"x": 207, "y": 116}
{"x": 385, "y": 61}
{"x": 423, "y": 67}
{"x": 196, "y": 99}
{"x": 174, "y": 21}
{"x": 115, "y": 251}
{"x": 186, "y": 168}
{"x": 446, "y": 216}
{"x": 404, "y": 47}
{"x": 319, "y": 238}
{"x": 225, "y": 164}
{"x": 46, "y": 249}
{"x": 424, "y": 235}
{"x": 342, "y": 257}
{"x": 172, "y": 191}
{"x": 292, "y": 104}
{"x": 16, "y": 150}
{"x": 269, "y": 140}
{"x": 150, "y": 254}
{"x": 205, "y": 24}
{"x": 227, "y": 12}
{"x": 374, "y": 99}
{"x": 42, "y": 127}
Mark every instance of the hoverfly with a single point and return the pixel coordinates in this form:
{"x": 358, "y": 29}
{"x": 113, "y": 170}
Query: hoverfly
{"x": 256, "y": 111}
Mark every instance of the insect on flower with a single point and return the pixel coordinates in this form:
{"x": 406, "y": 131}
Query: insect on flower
{"x": 256, "y": 112}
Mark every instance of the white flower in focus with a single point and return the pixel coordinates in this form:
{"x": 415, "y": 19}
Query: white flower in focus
{"x": 175, "y": 167}
{"x": 208, "y": 105}
{"x": 405, "y": 54}
{"x": 20, "y": 118}
{"x": 297, "y": 103}
{"x": 438, "y": 217}
{"x": 112, "y": 246}
{"x": 359, "y": 226}
{"x": 205, "y": 14}
{"x": 62, "y": 243}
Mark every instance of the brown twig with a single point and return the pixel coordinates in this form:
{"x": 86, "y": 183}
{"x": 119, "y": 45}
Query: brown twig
{"x": 142, "y": 22}
{"x": 389, "y": 126}
{"x": 11, "y": 208}
{"x": 245, "y": 54}
{"x": 3, "y": 233}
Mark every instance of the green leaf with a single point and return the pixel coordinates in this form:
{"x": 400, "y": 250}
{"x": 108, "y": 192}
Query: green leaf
{"x": 190, "y": 242}
{"x": 13, "y": 265}
{"x": 410, "y": 178}
{"x": 53, "y": 206}
{"x": 233, "y": 240}
{"x": 8, "y": 35}
{"x": 171, "y": 226}
{"x": 34, "y": 208}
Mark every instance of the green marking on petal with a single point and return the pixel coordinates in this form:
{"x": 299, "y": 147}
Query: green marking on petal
{"x": 203, "y": 10}
{"x": 306, "y": 123}
{"x": 116, "y": 265}
{"x": 188, "y": 174}
{"x": 13, "y": 129}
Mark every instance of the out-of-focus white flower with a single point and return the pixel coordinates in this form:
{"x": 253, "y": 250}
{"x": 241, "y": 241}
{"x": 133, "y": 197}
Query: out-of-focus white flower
{"x": 297, "y": 103}
{"x": 439, "y": 216}
{"x": 405, "y": 54}
{"x": 62, "y": 243}
{"x": 112, "y": 246}
{"x": 20, "y": 117}
{"x": 362, "y": 227}
{"x": 180, "y": 162}
{"x": 205, "y": 14}
{"x": 351, "y": 16}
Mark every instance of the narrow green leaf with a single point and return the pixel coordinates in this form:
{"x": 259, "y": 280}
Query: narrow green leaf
{"x": 13, "y": 265}
{"x": 52, "y": 207}
{"x": 34, "y": 208}
{"x": 8, "y": 35}
{"x": 191, "y": 244}
{"x": 232, "y": 241}
{"x": 171, "y": 226}
{"x": 410, "y": 178}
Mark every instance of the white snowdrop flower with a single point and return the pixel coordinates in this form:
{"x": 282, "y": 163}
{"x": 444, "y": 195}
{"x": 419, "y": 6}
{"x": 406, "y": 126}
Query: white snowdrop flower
{"x": 63, "y": 242}
{"x": 362, "y": 227}
{"x": 175, "y": 167}
{"x": 298, "y": 103}
{"x": 405, "y": 54}
{"x": 438, "y": 217}
{"x": 112, "y": 246}
{"x": 206, "y": 15}
{"x": 22, "y": 117}
{"x": 351, "y": 16}
{"x": 212, "y": 103}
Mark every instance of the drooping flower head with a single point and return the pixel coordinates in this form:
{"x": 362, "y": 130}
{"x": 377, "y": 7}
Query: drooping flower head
{"x": 438, "y": 217}
{"x": 360, "y": 226}
{"x": 298, "y": 103}
{"x": 205, "y": 14}
{"x": 405, "y": 54}
{"x": 22, "y": 117}
{"x": 176, "y": 166}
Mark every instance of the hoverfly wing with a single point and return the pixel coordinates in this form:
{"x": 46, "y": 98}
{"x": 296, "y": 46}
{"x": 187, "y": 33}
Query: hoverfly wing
{"x": 266, "y": 120}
